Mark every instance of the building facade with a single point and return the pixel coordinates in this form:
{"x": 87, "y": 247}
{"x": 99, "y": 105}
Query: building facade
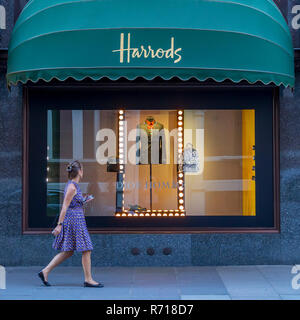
{"x": 239, "y": 200}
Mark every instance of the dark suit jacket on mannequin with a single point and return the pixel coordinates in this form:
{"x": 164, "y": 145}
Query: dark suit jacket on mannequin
{"x": 148, "y": 144}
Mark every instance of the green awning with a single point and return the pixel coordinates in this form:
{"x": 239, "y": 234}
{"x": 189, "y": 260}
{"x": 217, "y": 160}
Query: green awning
{"x": 217, "y": 39}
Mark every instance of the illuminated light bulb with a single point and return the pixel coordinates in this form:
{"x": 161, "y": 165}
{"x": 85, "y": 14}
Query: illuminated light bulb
{"x": 180, "y": 128}
{"x": 121, "y": 122}
{"x": 159, "y": 214}
{"x": 179, "y": 123}
{"x": 180, "y": 181}
{"x": 180, "y": 118}
{"x": 176, "y": 214}
{"x": 130, "y": 214}
{"x": 48, "y": 168}
{"x": 118, "y": 214}
{"x": 135, "y": 214}
{"x": 47, "y": 179}
{"x": 121, "y": 145}
{"x": 180, "y": 145}
{"x": 121, "y": 134}
{"x": 181, "y": 208}
{"x": 148, "y": 210}
{"x": 121, "y": 117}
{"x": 180, "y": 112}
{"x": 182, "y": 214}
{"x": 47, "y": 158}
{"x": 180, "y": 175}
{"x": 179, "y": 134}
{"x": 180, "y": 140}
{"x": 121, "y": 128}
{"x": 147, "y": 214}
{"x": 141, "y": 214}
{"x": 180, "y": 188}
{"x": 179, "y": 150}
{"x": 124, "y": 214}
{"x": 121, "y": 167}
{"x": 181, "y": 195}
{"x": 121, "y": 139}
{"x": 121, "y": 111}
{"x": 153, "y": 214}
{"x": 181, "y": 201}
{"x": 165, "y": 214}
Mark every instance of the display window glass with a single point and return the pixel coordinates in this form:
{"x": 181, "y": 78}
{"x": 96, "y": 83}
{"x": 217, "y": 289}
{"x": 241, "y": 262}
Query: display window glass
{"x": 154, "y": 160}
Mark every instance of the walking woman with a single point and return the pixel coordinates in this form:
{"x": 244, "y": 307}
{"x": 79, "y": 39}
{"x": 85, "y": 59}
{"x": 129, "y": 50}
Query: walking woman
{"x": 71, "y": 231}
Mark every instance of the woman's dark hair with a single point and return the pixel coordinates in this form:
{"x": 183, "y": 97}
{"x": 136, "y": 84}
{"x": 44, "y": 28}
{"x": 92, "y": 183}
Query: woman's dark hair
{"x": 73, "y": 168}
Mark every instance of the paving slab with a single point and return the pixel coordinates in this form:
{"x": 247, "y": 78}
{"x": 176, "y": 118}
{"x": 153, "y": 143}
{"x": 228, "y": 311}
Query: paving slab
{"x": 155, "y": 283}
{"x": 246, "y": 281}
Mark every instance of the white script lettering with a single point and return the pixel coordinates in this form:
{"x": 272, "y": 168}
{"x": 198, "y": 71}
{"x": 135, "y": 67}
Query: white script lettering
{"x": 142, "y": 52}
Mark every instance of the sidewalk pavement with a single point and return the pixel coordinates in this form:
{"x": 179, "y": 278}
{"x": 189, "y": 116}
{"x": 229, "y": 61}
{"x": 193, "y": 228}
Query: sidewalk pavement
{"x": 151, "y": 283}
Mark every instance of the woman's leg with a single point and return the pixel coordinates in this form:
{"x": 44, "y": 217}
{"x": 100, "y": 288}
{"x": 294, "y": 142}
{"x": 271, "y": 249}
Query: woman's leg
{"x": 58, "y": 259}
{"x": 86, "y": 264}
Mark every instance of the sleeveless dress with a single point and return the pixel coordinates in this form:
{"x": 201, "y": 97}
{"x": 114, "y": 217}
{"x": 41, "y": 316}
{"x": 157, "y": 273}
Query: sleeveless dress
{"x": 74, "y": 234}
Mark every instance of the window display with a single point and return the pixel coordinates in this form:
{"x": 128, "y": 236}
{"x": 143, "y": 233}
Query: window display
{"x": 156, "y": 163}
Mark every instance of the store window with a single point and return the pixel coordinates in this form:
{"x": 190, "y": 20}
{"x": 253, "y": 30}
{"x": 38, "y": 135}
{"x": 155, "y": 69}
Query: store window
{"x": 174, "y": 163}
{"x": 158, "y": 168}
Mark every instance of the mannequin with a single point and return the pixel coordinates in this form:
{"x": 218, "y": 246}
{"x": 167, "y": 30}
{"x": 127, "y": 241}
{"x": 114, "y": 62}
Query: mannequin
{"x": 150, "y": 145}
{"x": 150, "y": 141}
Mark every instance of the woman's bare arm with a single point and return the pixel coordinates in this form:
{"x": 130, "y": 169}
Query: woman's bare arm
{"x": 71, "y": 191}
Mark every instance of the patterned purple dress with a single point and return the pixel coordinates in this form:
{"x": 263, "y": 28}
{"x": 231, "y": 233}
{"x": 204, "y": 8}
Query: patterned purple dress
{"x": 74, "y": 234}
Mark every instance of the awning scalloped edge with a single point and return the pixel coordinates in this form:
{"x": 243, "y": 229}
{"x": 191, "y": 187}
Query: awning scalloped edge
{"x": 131, "y": 78}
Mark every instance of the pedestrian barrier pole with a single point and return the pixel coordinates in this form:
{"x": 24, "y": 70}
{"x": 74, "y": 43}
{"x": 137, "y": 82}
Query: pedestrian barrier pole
{"x": 2, "y": 278}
